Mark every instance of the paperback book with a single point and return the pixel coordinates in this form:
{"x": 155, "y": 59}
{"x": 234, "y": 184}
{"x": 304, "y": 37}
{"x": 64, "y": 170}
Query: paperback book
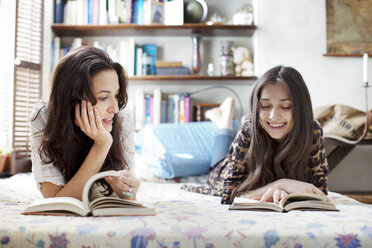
{"x": 102, "y": 206}
{"x": 294, "y": 201}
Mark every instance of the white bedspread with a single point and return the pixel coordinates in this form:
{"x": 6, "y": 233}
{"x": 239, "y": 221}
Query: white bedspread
{"x": 183, "y": 219}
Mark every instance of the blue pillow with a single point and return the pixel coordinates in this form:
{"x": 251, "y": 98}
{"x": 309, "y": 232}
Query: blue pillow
{"x": 177, "y": 150}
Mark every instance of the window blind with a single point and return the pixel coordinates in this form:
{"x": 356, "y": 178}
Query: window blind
{"x": 27, "y": 70}
{"x": 7, "y": 29}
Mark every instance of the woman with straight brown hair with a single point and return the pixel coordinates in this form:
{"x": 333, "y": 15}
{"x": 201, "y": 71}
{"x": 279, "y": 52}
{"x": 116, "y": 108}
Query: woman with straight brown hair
{"x": 278, "y": 150}
{"x": 84, "y": 128}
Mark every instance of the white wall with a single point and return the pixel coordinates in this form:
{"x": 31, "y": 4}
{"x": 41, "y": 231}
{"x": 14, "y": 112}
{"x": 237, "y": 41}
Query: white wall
{"x": 292, "y": 33}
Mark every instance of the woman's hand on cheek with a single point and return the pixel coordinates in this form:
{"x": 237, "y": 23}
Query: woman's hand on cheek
{"x": 89, "y": 121}
{"x": 125, "y": 186}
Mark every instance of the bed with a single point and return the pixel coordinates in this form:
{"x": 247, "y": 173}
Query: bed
{"x": 183, "y": 219}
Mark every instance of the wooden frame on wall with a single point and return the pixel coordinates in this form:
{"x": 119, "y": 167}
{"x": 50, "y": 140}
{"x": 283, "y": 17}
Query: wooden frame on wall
{"x": 349, "y": 27}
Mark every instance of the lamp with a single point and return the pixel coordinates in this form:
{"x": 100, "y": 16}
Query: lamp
{"x": 222, "y": 87}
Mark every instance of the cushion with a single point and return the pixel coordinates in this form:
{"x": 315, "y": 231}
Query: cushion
{"x": 176, "y": 150}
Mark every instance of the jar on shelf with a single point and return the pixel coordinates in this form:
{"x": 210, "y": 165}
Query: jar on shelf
{"x": 226, "y": 59}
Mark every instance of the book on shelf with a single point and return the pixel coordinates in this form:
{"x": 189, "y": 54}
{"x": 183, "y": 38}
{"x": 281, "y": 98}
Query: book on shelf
{"x": 156, "y": 106}
{"x": 294, "y": 201}
{"x": 153, "y": 12}
{"x": 126, "y": 55}
{"x": 148, "y": 109}
{"x": 162, "y": 63}
{"x": 159, "y": 107}
{"x": 164, "y": 111}
{"x": 140, "y": 109}
{"x": 172, "y": 71}
{"x": 137, "y": 12}
{"x": 173, "y": 12}
{"x": 82, "y": 12}
{"x": 58, "y": 11}
{"x": 101, "y": 206}
{"x": 151, "y": 50}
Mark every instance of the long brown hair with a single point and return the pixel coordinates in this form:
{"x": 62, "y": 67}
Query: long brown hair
{"x": 63, "y": 143}
{"x": 269, "y": 160}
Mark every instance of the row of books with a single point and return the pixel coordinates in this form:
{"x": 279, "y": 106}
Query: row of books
{"x": 159, "y": 108}
{"x": 138, "y": 60}
{"x": 101, "y": 12}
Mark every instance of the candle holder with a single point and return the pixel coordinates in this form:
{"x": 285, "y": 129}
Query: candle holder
{"x": 365, "y": 84}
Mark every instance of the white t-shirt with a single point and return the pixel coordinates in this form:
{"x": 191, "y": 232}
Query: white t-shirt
{"x": 48, "y": 172}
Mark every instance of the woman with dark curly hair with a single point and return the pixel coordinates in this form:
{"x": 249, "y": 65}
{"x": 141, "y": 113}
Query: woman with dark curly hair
{"x": 84, "y": 128}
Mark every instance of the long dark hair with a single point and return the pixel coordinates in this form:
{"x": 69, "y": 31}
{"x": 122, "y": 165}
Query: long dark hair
{"x": 268, "y": 159}
{"x": 63, "y": 143}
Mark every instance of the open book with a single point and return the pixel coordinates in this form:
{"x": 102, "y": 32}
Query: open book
{"x": 101, "y": 206}
{"x": 298, "y": 201}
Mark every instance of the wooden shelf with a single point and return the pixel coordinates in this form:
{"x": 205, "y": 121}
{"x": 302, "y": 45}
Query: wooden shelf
{"x": 153, "y": 30}
{"x": 190, "y": 77}
{"x": 343, "y": 55}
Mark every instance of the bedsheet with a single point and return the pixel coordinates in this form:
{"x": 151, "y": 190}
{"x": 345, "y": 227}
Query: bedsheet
{"x": 183, "y": 219}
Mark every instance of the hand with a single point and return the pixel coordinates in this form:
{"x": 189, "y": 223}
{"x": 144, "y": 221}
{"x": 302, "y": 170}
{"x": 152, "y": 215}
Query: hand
{"x": 292, "y": 186}
{"x": 125, "y": 185}
{"x": 89, "y": 121}
{"x": 266, "y": 194}
{"x": 277, "y": 190}
{"x": 272, "y": 195}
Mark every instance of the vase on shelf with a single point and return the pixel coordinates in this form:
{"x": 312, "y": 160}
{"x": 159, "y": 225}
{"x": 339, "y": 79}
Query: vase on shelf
{"x": 196, "y": 54}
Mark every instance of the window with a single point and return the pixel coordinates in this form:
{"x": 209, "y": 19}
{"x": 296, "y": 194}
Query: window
{"x": 24, "y": 86}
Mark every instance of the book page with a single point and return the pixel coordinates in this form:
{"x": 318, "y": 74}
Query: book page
{"x": 310, "y": 205}
{"x": 56, "y": 205}
{"x": 91, "y": 181}
{"x": 298, "y": 197}
{"x": 245, "y": 203}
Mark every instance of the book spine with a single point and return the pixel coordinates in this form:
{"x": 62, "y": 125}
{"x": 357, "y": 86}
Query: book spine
{"x": 139, "y": 61}
{"x": 171, "y": 108}
{"x": 57, "y": 47}
{"x": 187, "y": 109}
{"x": 151, "y": 50}
{"x": 112, "y": 18}
{"x": 103, "y": 12}
{"x": 176, "y": 112}
{"x": 58, "y": 14}
{"x": 147, "y": 118}
{"x": 163, "y": 111}
{"x": 90, "y": 11}
{"x": 131, "y": 57}
{"x": 182, "y": 109}
{"x": 172, "y": 71}
{"x": 151, "y": 110}
{"x": 51, "y": 55}
{"x": 157, "y": 106}
{"x": 127, "y": 11}
{"x": 140, "y": 109}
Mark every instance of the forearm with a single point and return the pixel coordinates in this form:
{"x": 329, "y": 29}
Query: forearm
{"x": 91, "y": 166}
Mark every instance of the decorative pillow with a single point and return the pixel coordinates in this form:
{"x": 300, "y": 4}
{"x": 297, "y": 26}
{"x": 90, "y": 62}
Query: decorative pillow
{"x": 176, "y": 150}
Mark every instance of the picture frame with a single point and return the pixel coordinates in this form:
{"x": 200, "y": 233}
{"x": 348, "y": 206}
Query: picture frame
{"x": 157, "y": 13}
{"x": 349, "y": 28}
